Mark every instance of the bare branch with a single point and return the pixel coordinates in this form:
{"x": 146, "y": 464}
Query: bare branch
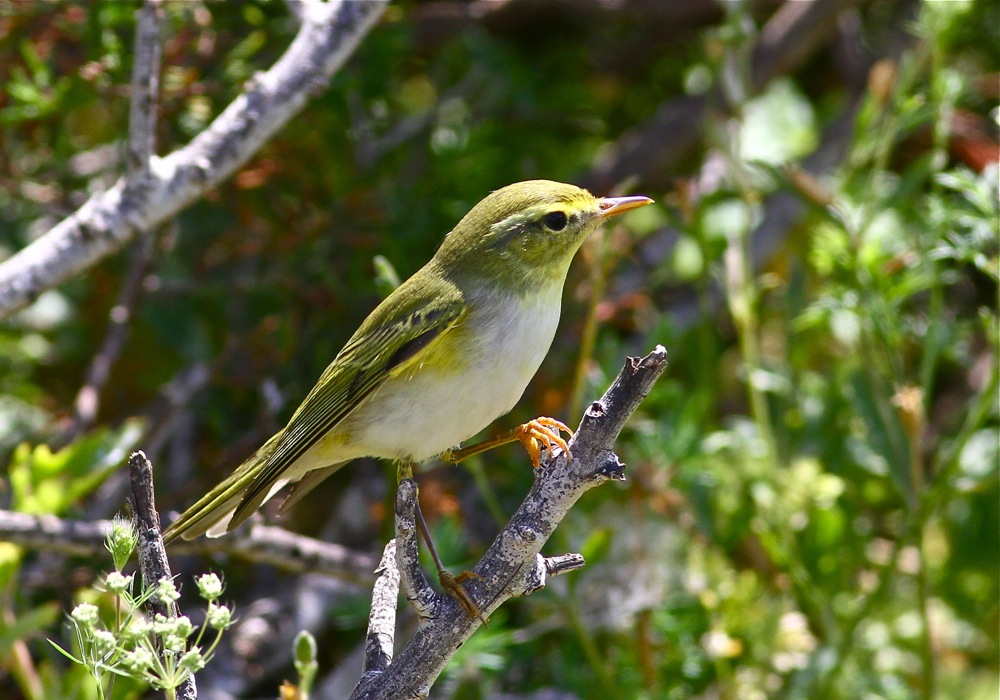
{"x": 329, "y": 33}
{"x": 88, "y": 398}
{"x": 655, "y": 150}
{"x": 415, "y": 584}
{"x": 513, "y": 565}
{"x": 152, "y": 554}
{"x": 145, "y": 89}
{"x": 258, "y": 544}
{"x": 382, "y": 618}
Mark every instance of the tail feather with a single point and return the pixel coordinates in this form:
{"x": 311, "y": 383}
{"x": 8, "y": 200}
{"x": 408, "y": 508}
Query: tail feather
{"x": 216, "y": 508}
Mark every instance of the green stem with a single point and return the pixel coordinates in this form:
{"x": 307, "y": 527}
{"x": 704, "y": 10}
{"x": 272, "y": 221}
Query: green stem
{"x": 474, "y": 465}
{"x": 597, "y": 662}
{"x": 588, "y": 337}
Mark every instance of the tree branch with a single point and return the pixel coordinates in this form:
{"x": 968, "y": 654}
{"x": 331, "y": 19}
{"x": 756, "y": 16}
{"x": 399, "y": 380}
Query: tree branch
{"x": 513, "y": 565}
{"x": 258, "y": 544}
{"x": 152, "y": 554}
{"x": 654, "y": 151}
{"x": 329, "y": 33}
{"x": 145, "y": 90}
{"x": 382, "y": 618}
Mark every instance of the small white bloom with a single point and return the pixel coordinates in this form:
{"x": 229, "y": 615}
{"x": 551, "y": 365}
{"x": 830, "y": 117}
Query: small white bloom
{"x": 117, "y": 582}
{"x": 137, "y": 660}
{"x": 182, "y": 626}
{"x": 218, "y": 617}
{"x": 166, "y": 591}
{"x": 104, "y": 642}
{"x": 209, "y": 586}
{"x": 192, "y": 661}
{"x": 85, "y": 615}
{"x": 175, "y": 643}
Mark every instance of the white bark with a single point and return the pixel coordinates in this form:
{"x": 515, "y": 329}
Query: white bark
{"x": 162, "y": 187}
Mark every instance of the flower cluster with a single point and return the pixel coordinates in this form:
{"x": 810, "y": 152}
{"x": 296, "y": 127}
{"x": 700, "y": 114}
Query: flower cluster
{"x": 163, "y": 651}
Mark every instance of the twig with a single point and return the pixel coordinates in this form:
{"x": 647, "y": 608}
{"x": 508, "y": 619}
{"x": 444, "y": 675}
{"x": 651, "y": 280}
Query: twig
{"x": 258, "y": 544}
{"x": 329, "y": 33}
{"x": 152, "y": 554}
{"x": 512, "y": 566}
{"x": 653, "y": 151}
{"x": 382, "y": 618}
{"x": 418, "y": 589}
{"x": 140, "y": 149}
{"x": 88, "y": 398}
{"x": 145, "y": 90}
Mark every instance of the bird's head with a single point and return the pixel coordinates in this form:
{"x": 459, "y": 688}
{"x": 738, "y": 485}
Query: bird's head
{"x": 527, "y": 233}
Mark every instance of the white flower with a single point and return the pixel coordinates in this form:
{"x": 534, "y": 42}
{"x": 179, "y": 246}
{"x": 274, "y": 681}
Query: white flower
{"x": 209, "y": 586}
{"x": 166, "y": 591}
{"x": 218, "y": 617}
{"x": 85, "y": 615}
{"x": 117, "y": 582}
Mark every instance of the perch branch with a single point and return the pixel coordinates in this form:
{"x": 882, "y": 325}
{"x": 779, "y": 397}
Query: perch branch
{"x": 329, "y": 33}
{"x": 382, "y": 618}
{"x": 513, "y": 565}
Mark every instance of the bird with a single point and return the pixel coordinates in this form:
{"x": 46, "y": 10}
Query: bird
{"x": 449, "y": 351}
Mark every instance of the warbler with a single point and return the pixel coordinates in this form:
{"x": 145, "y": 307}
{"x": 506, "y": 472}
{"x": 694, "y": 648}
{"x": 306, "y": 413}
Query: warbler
{"x": 444, "y": 355}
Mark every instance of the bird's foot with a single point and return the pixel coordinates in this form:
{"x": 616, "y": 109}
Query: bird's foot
{"x": 542, "y": 431}
{"x": 453, "y": 586}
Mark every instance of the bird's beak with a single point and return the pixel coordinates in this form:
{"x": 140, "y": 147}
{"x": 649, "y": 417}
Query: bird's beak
{"x": 613, "y": 206}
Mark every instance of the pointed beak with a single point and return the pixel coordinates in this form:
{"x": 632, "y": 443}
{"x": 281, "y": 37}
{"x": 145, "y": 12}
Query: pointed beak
{"x": 613, "y": 206}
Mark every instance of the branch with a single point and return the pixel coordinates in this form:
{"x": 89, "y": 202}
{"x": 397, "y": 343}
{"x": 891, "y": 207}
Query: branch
{"x": 257, "y": 544}
{"x": 513, "y": 565}
{"x": 382, "y": 618}
{"x": 152, "y": 554}
{"x": 655, "y": 150}
{"x": 329, "y": 33}
{"x": 145, "y": 90}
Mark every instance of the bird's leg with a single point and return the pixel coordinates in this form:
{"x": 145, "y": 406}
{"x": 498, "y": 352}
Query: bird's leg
{"x": 532, "y": 435}
{"x": 449, "y": 582}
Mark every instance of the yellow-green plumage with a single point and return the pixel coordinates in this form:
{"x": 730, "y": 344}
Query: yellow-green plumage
{"x": 444, "y": 355}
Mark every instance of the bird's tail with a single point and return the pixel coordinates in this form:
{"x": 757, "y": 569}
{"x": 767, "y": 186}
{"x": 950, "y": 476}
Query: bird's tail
{"x": 211, "y": 514}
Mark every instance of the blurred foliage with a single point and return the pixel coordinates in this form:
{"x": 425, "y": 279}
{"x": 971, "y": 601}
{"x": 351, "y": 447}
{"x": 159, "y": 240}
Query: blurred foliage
{"x": 813, "y": 500}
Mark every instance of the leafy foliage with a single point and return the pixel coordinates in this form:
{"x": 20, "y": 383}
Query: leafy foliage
{"x": 814, "y": 503}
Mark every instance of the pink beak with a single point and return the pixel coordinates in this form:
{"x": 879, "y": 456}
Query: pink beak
{"x": 613, "y": 206}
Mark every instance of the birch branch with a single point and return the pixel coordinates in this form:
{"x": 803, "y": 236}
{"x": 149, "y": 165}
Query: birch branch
{"x": 328, "y": 35}
{"x": 382, "y": 618}
{"x": 513, "y": 566}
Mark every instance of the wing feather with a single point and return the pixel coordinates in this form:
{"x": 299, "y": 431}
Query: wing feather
{"x": 390, "y": 338}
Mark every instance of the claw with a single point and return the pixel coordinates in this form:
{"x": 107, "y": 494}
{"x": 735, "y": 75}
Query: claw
{"x": 453, "y": 585}
{"x": 543, "y": 430}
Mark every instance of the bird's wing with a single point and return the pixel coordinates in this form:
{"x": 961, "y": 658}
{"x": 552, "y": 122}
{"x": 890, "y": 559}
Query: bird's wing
{"x": 394, "y": 335}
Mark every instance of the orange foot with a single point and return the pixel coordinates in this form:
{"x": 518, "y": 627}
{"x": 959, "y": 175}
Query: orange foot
{"x": 542, "y": 431}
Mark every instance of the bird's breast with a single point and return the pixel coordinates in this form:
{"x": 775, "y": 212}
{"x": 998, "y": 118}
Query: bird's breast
{"x": 476, "y": 373}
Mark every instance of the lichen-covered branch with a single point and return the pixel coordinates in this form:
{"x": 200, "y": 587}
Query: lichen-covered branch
{"x": 513, "y": 565}
{"x": 382, "y": 618}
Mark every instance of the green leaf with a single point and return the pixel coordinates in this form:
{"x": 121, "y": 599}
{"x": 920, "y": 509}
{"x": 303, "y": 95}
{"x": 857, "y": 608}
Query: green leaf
{"x": 26, "y": 625}
{"x": 45, "y": 482}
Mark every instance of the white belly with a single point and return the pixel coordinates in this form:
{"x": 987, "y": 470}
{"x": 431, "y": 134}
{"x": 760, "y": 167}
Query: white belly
{"x": 419, "y": 414}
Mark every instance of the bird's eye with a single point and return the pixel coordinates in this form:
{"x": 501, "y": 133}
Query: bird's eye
{"x": 555, "y": 221}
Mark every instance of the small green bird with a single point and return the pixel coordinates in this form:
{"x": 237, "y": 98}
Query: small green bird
{"x": 444, "y": 355}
